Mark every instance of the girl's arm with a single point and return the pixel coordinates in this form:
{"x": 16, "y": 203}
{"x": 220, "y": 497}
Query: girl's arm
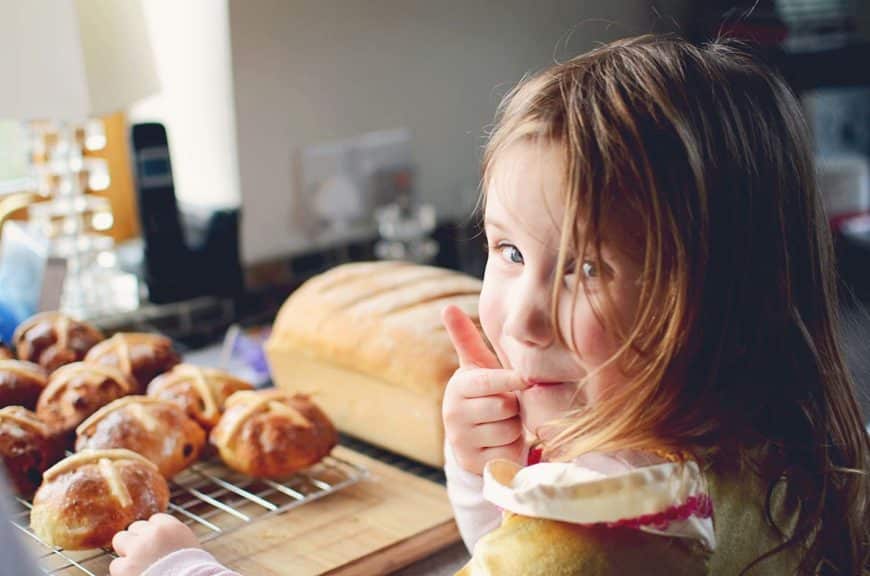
{"x": 474, "y": 516}
{"x": 188, "y": 562}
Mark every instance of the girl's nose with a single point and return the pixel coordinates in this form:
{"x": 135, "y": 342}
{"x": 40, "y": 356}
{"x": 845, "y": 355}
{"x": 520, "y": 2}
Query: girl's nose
{"x": 528, "y": 320}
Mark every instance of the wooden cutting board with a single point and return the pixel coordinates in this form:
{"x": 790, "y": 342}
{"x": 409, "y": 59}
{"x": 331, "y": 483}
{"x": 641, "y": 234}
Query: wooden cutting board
{"x": 376, "y": 526}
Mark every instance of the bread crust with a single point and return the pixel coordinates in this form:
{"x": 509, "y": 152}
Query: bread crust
{"x": 382, "y": 319}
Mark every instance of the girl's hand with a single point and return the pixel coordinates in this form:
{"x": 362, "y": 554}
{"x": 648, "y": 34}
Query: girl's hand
{"x": 480, "y": 410}
{"x": 144, "y": 543}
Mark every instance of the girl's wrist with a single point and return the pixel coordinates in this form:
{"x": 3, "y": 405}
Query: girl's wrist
{"x": 179, "y": 562}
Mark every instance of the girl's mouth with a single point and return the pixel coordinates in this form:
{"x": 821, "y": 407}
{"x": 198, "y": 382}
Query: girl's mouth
{"x": 543, "y": 383}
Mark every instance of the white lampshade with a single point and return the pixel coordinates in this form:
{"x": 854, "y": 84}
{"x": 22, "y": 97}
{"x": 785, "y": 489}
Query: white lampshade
{"x": 72, "y": 59}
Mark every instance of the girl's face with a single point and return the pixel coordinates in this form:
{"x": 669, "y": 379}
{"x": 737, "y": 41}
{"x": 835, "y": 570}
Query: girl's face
{"x": 523, "y": 223}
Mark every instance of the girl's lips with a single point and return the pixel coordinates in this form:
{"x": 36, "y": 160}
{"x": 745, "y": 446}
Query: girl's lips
{"x": 534, "y": 383}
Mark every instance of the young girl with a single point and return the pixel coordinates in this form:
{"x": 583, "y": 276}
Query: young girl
{"x": 665, "y": 391}
{"x": 661, "y": 303}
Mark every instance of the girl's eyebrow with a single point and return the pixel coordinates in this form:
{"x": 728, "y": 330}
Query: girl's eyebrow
{"x": 494, "y": 223}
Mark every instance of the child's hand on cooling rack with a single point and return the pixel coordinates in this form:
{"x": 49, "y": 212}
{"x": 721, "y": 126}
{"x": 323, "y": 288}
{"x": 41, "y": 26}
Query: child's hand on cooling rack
{"x": 144, "y": 543}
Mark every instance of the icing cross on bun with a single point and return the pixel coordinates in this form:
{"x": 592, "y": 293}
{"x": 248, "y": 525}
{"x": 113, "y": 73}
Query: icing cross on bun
{"x": 52, "y": 339}
{"x": 158, "y": 430}
{"x": 272, "y": 434}
{"x": 21, "y": 383}
{"x": 88, "y": 497}
{"x": 141, "y": 355}
{"x": 76, "y": 391}
{"x": 26, "y": 448}
{"x": 202, "y": 392}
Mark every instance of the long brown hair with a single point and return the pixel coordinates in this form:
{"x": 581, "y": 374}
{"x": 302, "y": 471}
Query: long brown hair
{"x": 735, "y": 342}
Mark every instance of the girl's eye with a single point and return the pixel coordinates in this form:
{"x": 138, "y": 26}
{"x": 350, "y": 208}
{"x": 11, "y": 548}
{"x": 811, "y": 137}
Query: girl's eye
{"x": 510, "y": 253}
{"x": 590, "y": 269}
{"x": 590, "y": 272}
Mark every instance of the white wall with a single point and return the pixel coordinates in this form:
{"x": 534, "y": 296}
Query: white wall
{"x": 191, "y": 44}
{"x": 307, "y": 71}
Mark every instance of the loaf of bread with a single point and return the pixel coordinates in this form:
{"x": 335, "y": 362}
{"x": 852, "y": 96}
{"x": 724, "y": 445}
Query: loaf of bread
{"x": 366, "y": 340}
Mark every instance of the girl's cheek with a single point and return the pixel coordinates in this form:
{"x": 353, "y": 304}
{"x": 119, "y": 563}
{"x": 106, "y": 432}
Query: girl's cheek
{"x": 592, "y": 343}
{"x": 490, "y": 312}
{"x": 590, "y": 339}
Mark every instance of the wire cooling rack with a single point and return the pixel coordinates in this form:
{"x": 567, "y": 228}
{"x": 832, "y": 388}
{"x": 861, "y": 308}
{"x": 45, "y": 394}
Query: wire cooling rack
{"x": 212, "y": 500}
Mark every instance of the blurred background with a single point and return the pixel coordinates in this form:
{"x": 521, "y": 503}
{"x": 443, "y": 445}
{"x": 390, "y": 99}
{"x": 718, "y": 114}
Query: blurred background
{"x": 183, "y": 166}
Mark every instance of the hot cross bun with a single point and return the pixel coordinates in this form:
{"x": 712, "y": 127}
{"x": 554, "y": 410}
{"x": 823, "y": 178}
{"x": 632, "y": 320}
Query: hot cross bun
{"x": 89, "y": 496}
{"x": 202, "y": 392}
{"x": 141, "y": 355}
{"x": 26, "y": 448}
{"x": 21, "y": 383}
{"x": 271, "y": 434}
{"x": 76, "y": 391}
{"x": 158, "y": 430}
{"x": 52, "y": 339}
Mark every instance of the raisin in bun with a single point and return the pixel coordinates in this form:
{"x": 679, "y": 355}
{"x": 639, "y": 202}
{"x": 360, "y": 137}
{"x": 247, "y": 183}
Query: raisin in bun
{"x": 158, "y": 430}
{"x": 202, "y": 392}
{"x": 271, "y": 434}
{"x": 21, "y": 383}
{"x": 52, "y": 339}
{"x": 88, "y": 497}
{"x": 141, "y": 355}
{"x": 5, "y": 352}
{"x": 76, "y": 391}
{"x": 26, "y": 447}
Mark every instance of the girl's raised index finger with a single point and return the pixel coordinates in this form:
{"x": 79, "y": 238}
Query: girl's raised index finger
{"x": 467, "y": 340}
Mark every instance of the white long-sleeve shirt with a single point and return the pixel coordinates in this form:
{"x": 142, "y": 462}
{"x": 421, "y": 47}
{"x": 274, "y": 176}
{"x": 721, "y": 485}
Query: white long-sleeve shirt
{"x": 474, "y": 516}
{"x": 188, "y": 562}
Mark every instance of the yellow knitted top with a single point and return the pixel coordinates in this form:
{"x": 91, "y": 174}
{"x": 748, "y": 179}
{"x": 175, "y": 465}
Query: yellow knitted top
{"x": 567, "y": 524}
